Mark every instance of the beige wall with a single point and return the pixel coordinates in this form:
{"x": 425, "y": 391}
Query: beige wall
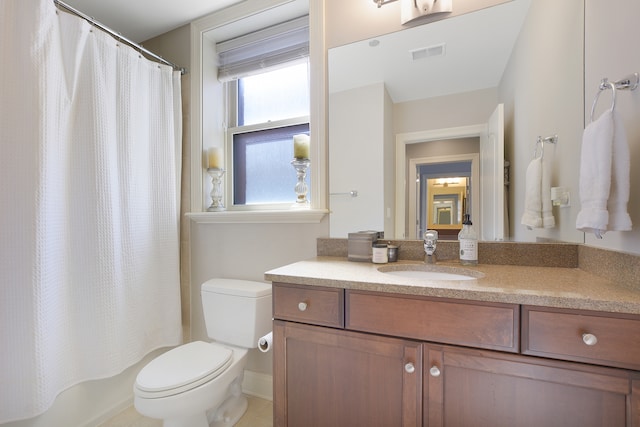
{"x": 356, "y": 159}
{"x": 443, "y": 112}
{"x": 448, "y": 147}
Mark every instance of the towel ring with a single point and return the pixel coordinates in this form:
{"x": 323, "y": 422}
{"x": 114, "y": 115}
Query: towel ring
{"x": 603, "y": 86}
{"x": 541, "y": 141}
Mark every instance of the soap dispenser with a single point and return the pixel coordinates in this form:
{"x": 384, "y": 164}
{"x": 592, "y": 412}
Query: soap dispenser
{"x": 468, "y": 242}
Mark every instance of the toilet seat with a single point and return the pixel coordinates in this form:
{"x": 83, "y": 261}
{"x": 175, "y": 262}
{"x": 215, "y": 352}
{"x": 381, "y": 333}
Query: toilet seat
{"x": 183, "y": 368}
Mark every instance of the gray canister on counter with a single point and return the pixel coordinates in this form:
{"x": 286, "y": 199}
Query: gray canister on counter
{"x": 392, "y": 252}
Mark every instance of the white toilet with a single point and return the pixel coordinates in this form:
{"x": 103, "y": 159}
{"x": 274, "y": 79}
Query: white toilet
{"x": 199, "y": 384}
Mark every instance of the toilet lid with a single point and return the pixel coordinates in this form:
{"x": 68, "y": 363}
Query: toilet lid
{"x": 183, "y": 368}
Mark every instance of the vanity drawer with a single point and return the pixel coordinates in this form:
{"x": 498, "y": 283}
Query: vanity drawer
{"x": 584, "y": 336}
{"x": 476, "y": 324}
{"x": 309, "y": 304}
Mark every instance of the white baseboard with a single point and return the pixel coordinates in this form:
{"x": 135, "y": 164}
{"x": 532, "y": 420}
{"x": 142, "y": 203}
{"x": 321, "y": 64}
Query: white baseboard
{"x": 111, "y": 412}
{"x": 258, "y": 384}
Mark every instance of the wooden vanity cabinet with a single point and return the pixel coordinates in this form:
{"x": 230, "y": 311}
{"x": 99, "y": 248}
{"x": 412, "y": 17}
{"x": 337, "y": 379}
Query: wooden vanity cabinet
{"x": 401, "y": 360}
{"x": 597, "y": 338}
{"x": 326, "y": 377}
{"x": 448, "y": 321}
{"x": 313, "y": 305}
{"x": 468, "y": 387}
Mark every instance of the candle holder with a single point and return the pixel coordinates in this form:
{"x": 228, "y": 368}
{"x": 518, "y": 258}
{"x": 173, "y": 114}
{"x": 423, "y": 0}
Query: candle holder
{"x": 217, "y": 199}
{"x": 301, "y": 166}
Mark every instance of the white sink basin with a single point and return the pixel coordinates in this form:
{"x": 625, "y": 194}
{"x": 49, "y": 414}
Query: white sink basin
{"x": 431, "y": 272}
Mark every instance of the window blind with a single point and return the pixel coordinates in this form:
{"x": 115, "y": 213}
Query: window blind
{"x": 264, "y": 49}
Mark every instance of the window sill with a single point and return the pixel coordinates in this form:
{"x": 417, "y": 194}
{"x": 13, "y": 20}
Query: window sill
{"x": 302, "y": 216}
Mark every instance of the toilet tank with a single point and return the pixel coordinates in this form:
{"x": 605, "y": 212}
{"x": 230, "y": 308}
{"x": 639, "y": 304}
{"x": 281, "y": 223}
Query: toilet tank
{"x": 236, "y": 312}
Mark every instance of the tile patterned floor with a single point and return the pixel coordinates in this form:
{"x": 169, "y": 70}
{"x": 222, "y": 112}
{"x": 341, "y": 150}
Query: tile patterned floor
{"x": 259, "y": 414}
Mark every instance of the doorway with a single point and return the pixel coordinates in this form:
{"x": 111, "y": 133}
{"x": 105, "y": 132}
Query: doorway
{"x": 444, "y": 197}
{"x": 490, "y": 220}
{"x": 441, "y": 193}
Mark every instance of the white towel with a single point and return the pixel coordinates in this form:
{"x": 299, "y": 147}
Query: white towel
{"x": 537, "y": 202}
{"x": 619, "y": 219}
{"x": 532, "y": 216}
{"x": 548, "y": 220}
{"x": 603, "y": 195}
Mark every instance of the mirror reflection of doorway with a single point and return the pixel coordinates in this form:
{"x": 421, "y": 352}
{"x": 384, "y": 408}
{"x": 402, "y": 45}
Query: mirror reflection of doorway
{"x": 445, "y": 208}
{"x": 444, "y": 194}
{"x": 440, "y": 159}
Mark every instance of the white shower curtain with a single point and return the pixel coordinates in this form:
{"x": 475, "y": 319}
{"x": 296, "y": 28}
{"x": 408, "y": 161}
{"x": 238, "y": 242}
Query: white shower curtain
{"x": 89, "y": 213}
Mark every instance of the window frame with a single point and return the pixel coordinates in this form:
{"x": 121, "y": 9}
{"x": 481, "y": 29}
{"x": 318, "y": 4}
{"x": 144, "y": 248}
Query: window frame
{"x": 204, "y": 81}
{"x": 229, "y": 147}
{"x": 232, "y": 110}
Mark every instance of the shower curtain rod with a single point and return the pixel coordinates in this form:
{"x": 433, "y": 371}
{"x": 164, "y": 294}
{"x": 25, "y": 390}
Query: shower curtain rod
{"x": 118, "y": 36}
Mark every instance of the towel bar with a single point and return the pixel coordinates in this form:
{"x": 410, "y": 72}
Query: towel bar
{"x": 629, "y": 82}
{"x": 352, "y": 193}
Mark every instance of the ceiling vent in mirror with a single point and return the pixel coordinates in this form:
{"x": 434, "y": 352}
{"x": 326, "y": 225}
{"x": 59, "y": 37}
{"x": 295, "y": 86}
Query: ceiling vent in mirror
{"x": 428, "y": 52}
{"x": 414, "y": 9}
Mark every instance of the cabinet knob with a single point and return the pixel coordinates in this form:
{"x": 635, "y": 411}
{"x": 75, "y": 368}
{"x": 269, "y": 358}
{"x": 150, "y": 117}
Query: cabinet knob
{"x": 409, "y": 368}
{"x": 302, "y": 306}
{"x": 589, "y": 339}
{"x": 434, "y": 371}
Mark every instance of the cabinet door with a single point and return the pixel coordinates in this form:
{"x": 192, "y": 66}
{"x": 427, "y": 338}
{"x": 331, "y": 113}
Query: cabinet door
{"x": 333, "y": 378}
{"x": 466, "y": 387}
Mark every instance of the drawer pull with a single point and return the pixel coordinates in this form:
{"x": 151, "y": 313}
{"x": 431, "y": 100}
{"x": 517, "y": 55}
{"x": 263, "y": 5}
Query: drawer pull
{"x": 409, "y": 368}
{"x": 302, "y": 306}
{"x": 589, "y": 339}
{"x": 434, "y": 371}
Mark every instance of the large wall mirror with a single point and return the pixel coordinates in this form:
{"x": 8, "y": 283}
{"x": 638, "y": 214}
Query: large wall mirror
{"x": 400, "y": 100}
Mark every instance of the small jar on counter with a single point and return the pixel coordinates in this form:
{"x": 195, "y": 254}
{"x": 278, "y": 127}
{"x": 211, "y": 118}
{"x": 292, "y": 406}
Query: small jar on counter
{"x": 380, "y": 254}
{"x": 392, "y": 253}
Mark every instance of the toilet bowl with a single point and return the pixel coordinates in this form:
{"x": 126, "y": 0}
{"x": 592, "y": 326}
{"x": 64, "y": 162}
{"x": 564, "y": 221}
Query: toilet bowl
{"x": 199, "y": 384}
{"x": 183, "y": 397}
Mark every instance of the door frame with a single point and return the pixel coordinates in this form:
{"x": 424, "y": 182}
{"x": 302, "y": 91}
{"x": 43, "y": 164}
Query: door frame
{"x": 402, "y": 139}
{"x": 474, "y": 158}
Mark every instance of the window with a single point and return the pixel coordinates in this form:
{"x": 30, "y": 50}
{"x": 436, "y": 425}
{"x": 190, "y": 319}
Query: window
{"x": 262, "y": 173}
{"x": 275, "y": 95}
{"x": 268, "y": 103}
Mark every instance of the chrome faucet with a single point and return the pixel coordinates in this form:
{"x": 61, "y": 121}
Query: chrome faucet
{"x": 430, "y": 240}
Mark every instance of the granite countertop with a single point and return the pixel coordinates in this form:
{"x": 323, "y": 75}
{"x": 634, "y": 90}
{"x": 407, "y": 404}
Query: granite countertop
{"x": 541, "y": 286}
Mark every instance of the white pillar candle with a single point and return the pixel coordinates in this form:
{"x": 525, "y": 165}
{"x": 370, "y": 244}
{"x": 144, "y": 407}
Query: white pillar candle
{"x": 301, "y": 146}
{"x": 214, "y": 158}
